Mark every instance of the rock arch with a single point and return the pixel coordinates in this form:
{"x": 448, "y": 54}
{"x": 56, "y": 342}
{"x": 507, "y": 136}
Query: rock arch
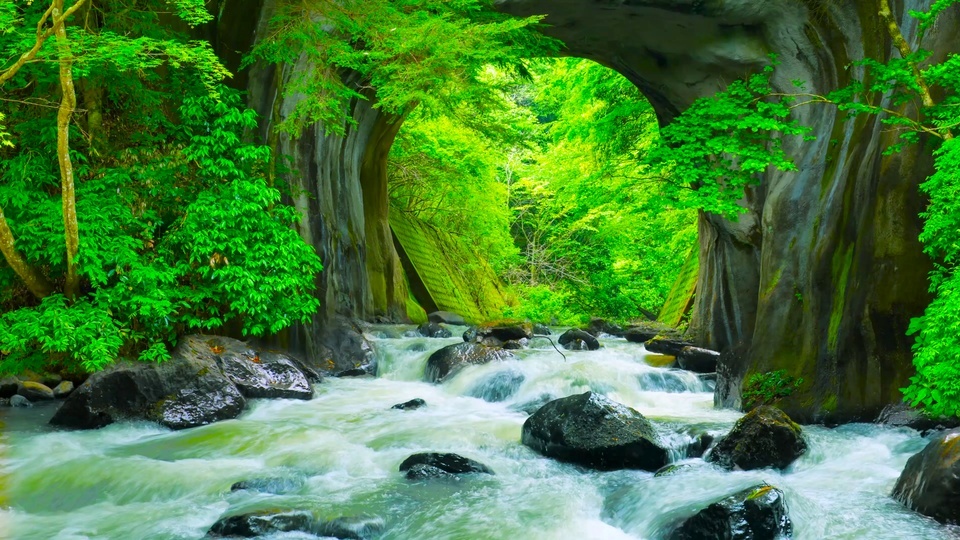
{"x": 822, "y": 274}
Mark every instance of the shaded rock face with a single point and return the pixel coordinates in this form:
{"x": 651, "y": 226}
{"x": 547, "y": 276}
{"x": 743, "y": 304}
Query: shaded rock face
{"x": 930, "y": 482}
{"x": 541, "y": 329}
{"x": 433, "y": 330}
{"x": 591, "y": 430}
{"x": 578, "y": 340}
{"x": 902, "y": 415}
{"x": 665, "y": 345}
{"x": 764, "y": 437}
{"x": 756, "y": 513}
{"x": 204, "y": 381}
{"x": 447, "y": 463}
{"x": 698, "y": 360}
{"x": 601, "y": 326}
{"x": 449, "y": 360}
{"x": 446, "y": 317}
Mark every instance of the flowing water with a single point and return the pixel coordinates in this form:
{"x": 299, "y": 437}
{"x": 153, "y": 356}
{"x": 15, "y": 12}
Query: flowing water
{"x": 341, "y": 451}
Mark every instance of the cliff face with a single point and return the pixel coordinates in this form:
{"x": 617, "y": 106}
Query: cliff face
{"x": 822, "y": 274}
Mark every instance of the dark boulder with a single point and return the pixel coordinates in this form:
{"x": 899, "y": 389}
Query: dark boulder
{"x": 35, "y": 391}
{"x": 275, "y": 485}
{"x": 257, "y": 524}
{"x": 447, "y": 361}
{"x": 9, "y": 387}
{"x": 930, "y": 483}
{"x": 698, "y": 360}
{"x": 903, "y": 415}
{"x": 541, "y": 329}
{"x": 516, "y": 344}
{"x": 756, "y": 513}
{"x": 446, "y": 317}
{"x": 578, "y": 340}
{"x": 498, "y": 387}
{"x": 355, "y": 372}
{"x": 451, "y": 463}
{"x": 764, "y": 437}
{"x": 261, "y": 375}
{"x": 343, "y": 346}
{"x": 701, "y": 442}
{"x": 601, "y": 326}
{"x": 645, "y": 331}
{"x": 352, "y": 528}
{"x": 19, "y": 401}
{"x": 504, "y": 331}
{"x": 413, "y": 404}
{"x": 433, "y": 330}
{"x": 639, "y": 335}
{"x": 665, "y": 345}
{"x": 591, "y": 430}
{"x": 426, "y": 472}
{"x": 186, "y": 391}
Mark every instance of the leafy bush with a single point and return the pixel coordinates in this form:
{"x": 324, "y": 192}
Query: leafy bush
{"x": 768, "y": 388}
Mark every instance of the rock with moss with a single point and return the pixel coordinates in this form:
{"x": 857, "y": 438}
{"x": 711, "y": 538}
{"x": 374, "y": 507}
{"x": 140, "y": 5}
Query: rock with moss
{"x": 449, "y": 360}
{"x": 257, "y": 524}
{"x": 578, "y": 340}
{"x": 647, "y": 330}
{"x": 433, "y": 330}
{"x": 930, "y": 482}
{"x": 764, "y": 437}
{"x": 665, "y": 345}
{"x": 756, "y": 513}
{"x": 592, "y": 430}
{"x": 35, "y": 391}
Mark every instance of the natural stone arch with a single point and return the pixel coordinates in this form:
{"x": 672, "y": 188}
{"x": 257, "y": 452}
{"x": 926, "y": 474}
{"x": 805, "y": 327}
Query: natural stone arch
{"x": 819, "y": 277}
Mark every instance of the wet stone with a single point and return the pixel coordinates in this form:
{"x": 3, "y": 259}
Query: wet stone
{"x": 261, "y": 523}
{"x": 451, "y": 463}
{"x": 498, "y": 387}
{"x": 276, "y": 486}
{"x": 413, "y": 404}
{"x": 20, "y": 401}
{"x": 353, "y": 528}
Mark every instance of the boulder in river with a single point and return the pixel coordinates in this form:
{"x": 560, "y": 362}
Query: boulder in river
{"x": 591, "y": 430}
{"x": 903, "y": 415}
{"x": 645, "y": 331}
{"x": 698, "y": 360}
{"x": 602, "y": 326}
{"x": 275, "y": 485}
{"x": 930, "y": 483}
{"x": 498, "y": 387}
{"x": 446, "y": 317}
{"x": 665, "y": 345}
{"x": 756, "y": 513}
{"x": 502, "y": 331}
{"x": 447, "y": 361}
{"x": 19, "y": 401}
{"x": 413, "y": 404}
{"x": 64, "y": 389}
{"x": 433, "y": 330}
{"x": 35, "y": 391}
{"x": 256, "y": 524}
{"x": 540, "y": 329}
{"x": 448, "y": 463}
{"x": 9, "y": 387}
{"x": 197, "y": 386}
{"x": 343, "y": 346}
{"x": 764, "y": 437}
{"x": 352, "y": 527}
{"x": 578, "y": 340}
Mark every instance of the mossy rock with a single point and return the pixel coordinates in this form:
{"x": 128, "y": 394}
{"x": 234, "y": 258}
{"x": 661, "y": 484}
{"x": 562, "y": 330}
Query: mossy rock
{"x": 764, "y": 437}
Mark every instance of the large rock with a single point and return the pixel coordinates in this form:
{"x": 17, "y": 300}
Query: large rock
{"x": 449, "y": 463}
{"x": 930, "y": 483}
{"x": 591, "y": 430}
{"x": 756, "y": 513}
{"x": 666, "y": 345}
{"x": 35, "y": 391}
{"x": 578, "y": 340}
{"x": 64, "y": 389}
{"x": 340, "y": 346}
{"x": 352, "y": 528}
{"x": 698, "y": 360}
{"x": 601, "y": 326}
{"x": 9, "y": 387}
{"x": 449, "y": 360}
{"x": 433, "y": 330}
{"x": 411, "y": 405}
{"x": 502, "y": 331}
{"x": 197, "y": 386}
{"x": 764, "y": 437}
{"x": 262, "y": 523}
{"x": 446, "y": 317}
{"x": 903, "y": 415}
{"x": 645, "y": 331}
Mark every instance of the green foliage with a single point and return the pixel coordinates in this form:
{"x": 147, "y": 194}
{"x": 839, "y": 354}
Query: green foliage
{"x": 768, "y": 388}
{"x": 722, "y": 144}
{"x": 430, "y": 53}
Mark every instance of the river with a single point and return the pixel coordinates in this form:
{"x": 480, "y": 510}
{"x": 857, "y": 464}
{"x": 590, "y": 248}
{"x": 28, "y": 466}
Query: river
{"x": 341, "y": 450}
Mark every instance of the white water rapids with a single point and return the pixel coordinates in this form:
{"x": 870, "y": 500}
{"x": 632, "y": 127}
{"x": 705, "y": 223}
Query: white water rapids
{"x": 141, "y": 481}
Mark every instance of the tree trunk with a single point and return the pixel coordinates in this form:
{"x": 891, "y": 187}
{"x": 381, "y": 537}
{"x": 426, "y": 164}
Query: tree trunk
{"x": 68, "y": 102}
{"x": 36, "y": 282}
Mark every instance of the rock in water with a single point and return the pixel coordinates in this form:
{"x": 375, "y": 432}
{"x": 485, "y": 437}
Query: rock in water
{"x": 757, "y": 513}
{"x": 449, "y": 360}
{"x": 262, "y": 523}
{"x": 19, "y": 401}
{"x": 352, "y": 528}
{"x": 35, "y": 391}
{"x": 764, "y": 437}
{"x": 450, "y": 463}
{"x": 930, "y": 483}
{"x": 503, "y": 331}
{"x": 262, "y": 375}
{"x": 447, "y": 318}
{"x": 433, "y": 330}
{"x": 498, "y": 387}
{"x": 591, "y": 430}
{"x": 541, "y": 329}
{"x": 578, "y": 340}
{"x": 665, "y": 345}
{"x": 415, "y": 403}
{"x": 277, "y": 486}
{"x": 64, "y": 389}
{"x": 698, "y": 360}
{"x": 9, "y": 387}
{"x": 601, "y": 326}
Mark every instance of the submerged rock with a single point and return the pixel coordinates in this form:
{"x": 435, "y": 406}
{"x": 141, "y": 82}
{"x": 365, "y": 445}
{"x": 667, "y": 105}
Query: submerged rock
{"x": 447, "y": 318}
{"x": 698, "y": 360}
{"x": 257, "y": 524}
{"x": 35, "y": 391}
{"x": 578, "y": 340}
{"x": 449, "y": 360}
{"x": 662, "y": 381}
{"x": 19, "y": 401}
{"x": 764, "y": 437}
{"x": 448, "y": 463}
{"x": 433, "y": 330}
{"x": 756, "y": 513}
{"x": 930, "y": 482}
{"x": 591, "y": 430}
{"x": 200, "y": 384}
{"x": 498, "y": 387}
{"x": 352, "y": 528}
{"x": 413, "y": 404}
{"x": 277, "y": 485}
